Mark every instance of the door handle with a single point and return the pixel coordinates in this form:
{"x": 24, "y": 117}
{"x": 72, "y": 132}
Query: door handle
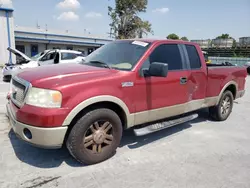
{"x": 183, "y": 80}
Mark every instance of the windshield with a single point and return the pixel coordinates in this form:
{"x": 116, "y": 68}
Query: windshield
{"x": 35, "y": 57}
{"x": 122, "y": 54}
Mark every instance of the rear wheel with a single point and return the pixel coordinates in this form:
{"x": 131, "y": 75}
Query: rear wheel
{"x": 224, "y": 108}
{"x": 95, "y": 137}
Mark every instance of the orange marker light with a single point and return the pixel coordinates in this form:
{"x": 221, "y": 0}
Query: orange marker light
{"x": 56, "y": 97}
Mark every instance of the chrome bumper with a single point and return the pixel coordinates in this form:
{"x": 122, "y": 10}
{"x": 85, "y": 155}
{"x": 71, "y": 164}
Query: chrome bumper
{"x": 50, "y": 138}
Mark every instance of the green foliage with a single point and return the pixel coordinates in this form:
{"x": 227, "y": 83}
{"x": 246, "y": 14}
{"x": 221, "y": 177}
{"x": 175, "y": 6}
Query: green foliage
{"x": 125, "y": 21}
{"x": 173, "y": 36}
{"x": 234, "y": 44}
{"x": 224, "y": 36}
{"x": 184, "y": 38}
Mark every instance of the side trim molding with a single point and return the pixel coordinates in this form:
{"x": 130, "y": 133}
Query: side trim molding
{"x": 166, "y": 112}
{"x": 101, "y": 98}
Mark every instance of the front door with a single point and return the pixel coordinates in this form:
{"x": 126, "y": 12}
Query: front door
{"x": 48, "y": 59}
{"x": 162, "y": 97}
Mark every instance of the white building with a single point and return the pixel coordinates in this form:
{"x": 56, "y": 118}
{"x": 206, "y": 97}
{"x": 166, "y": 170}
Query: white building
{"x": 6, "y": 35}
{"x": 34, "y": 40}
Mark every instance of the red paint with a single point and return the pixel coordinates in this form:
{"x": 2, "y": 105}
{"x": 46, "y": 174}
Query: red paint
{"x": 80, "y": 82}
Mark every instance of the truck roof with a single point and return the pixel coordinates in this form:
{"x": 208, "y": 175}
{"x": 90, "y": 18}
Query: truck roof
{"x": 161, "y": 40}
{"x": 68, "y": 51}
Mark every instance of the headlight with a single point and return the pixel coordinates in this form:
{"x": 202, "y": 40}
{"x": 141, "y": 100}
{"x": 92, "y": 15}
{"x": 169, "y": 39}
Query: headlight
{"x": 44, "y": 98}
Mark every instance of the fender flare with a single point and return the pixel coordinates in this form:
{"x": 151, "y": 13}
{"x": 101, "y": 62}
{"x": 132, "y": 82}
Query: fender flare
{"x": 96, "y": 99}
{"x": 225, "y": 87}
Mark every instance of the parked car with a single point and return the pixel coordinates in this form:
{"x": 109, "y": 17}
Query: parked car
{"x": 124, "y": 84}
{"x": 23, "y": 62}
{"x": 248, "y": 67}
{"x": 206, "y": 57}
{"x": 61, "y": 56}
{"x": 47, "y": 57}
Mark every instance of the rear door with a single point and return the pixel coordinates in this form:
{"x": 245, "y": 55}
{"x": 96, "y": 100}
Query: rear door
{"x": 197, "y": 80}
{"x": 68, "y": 57}
{"x": 163, "y": 97}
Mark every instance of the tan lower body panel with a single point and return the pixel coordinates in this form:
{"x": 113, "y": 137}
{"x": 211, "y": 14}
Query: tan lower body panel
{"x": 166, "y": 112}
{"x": 41, "y": 137}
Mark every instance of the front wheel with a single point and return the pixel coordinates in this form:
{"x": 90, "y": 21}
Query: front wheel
{"x": 95, "y": 137}
{"x": 224, "y": 108}
{"x": 248, "y": 70}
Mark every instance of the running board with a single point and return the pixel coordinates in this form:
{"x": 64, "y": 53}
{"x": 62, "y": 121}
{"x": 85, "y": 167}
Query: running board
{"x": 163, "y": 125}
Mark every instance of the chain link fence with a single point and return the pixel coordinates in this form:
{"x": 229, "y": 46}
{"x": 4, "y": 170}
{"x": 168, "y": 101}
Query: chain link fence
{"x": 235, "y": 61}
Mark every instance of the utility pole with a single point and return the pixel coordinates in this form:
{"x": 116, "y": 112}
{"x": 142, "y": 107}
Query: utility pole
{"x": 110, "y": 33}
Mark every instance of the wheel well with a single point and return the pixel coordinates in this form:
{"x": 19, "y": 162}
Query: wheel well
{"x": 110, "y": 105}
{"x": 232, "y": 88}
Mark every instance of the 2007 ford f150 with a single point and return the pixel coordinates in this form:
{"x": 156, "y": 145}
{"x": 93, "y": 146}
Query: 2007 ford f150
{"x": 123, "y": 84}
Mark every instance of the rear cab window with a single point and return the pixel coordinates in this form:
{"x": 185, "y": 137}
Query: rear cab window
{"x": 193, "y": 56}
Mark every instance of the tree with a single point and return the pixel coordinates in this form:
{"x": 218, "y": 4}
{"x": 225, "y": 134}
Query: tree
{"x": 125, "y": 20}
{"x": 184, "y": 38}
{"x": 224, "y": 36}
{"x": 227, "y": 36}
{"x": 173, "y": 36}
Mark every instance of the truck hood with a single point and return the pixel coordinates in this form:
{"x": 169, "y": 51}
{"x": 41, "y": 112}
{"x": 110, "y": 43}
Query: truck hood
{"x": 18, "y": 53}
{"x": 62, "y": 72}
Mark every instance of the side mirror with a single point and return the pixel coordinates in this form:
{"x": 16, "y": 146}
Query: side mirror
{"x": 157, "y": 69}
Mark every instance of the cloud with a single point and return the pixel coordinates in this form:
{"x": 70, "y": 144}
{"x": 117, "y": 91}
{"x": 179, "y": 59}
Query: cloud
{"x": 6, "y": 3}
{"x": 69, "y": 4}
{"x": 161, "y": 10}
{"x": 93, "y": 15}
{"x": 68, "y": 16}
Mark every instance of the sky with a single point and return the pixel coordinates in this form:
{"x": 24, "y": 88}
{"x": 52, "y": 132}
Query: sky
{"x": 195, "y": 19}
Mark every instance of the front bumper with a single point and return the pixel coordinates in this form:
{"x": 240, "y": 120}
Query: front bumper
{"x": 6, "y": 72}
{"x": 41, "y": 137}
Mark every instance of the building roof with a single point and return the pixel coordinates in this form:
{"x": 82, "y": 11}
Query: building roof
{"x": 60, "y": 33}
{"x": 41, "y": 35}
{"x": 6, "y": 9}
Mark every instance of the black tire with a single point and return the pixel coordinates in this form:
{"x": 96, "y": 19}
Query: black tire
{"x": 77, "y": 137}
{"x": 7, "y": 78}
{"x": 248, "y": 70}
{"x": 216, "y": 112}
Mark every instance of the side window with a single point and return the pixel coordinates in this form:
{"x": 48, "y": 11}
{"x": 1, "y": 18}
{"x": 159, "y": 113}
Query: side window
{"x": 49, "y": 56}
{"x": 194, "y": 58}
{"x": 166, "y": 53}
{"x": 67, "y": 56}
{"x": 81, "y": 54}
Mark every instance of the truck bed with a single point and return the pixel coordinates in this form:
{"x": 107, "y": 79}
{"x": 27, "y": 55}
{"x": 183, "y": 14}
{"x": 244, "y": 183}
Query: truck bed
{"x": 224, "y": 74}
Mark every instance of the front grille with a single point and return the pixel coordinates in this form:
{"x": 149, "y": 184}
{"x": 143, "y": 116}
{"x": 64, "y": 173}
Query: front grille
{"x": 19, "y": 89}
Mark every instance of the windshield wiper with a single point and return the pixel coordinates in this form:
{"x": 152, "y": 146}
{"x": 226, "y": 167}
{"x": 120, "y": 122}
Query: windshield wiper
{"x": 100, "y": 62}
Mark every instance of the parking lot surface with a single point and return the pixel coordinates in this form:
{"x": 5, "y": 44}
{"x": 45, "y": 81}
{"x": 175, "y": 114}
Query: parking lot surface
{"x": 201, "y": 153}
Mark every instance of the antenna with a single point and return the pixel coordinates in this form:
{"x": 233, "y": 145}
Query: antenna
{"x": 37, "y": 25}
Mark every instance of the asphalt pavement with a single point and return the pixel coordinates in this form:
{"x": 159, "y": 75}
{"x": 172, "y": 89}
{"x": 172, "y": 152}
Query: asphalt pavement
{"x": 198, "y": 154}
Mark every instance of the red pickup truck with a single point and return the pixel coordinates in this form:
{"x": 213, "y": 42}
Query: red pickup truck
{"x": 123, "y": 84}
